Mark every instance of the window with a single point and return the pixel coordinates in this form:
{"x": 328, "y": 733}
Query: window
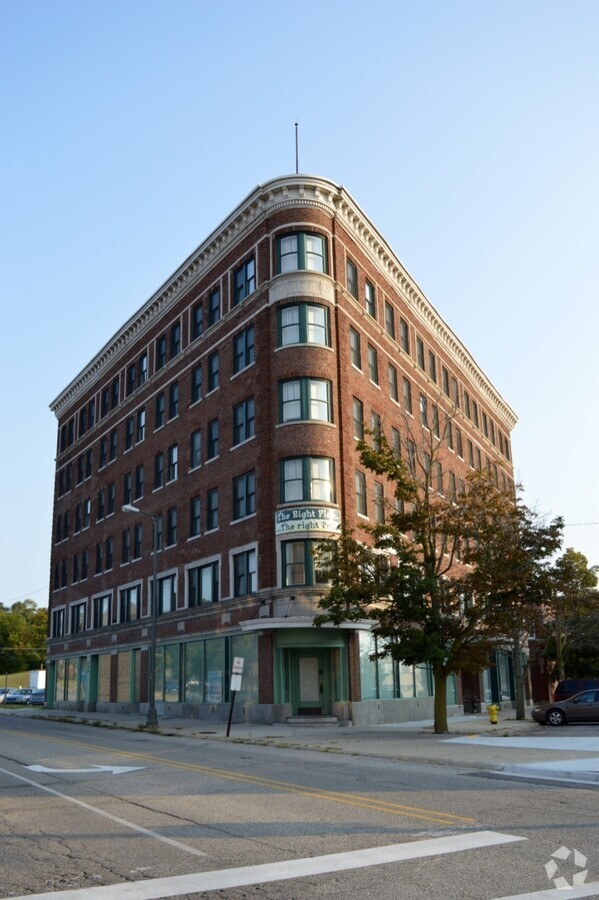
{"x": 485, "y": 425}
{"x": 373, "y": 365}
{"x": 195, "y": 449}
{"x": 171, "y": 526}
{"x": 125, "y": 546}
{"x": 99, "y": 559}
{"x": 244, "y": 495}
{"x": 375, "y": 427}
{"x": 131, "y": 376}
{"x": 194, "y": 516}
{"x": 404, "y": 335}
{"x": 58, "y": 623}
{"x": 213, "y": 371}
{"x": 114, "y": 392}
{"x": 396, "y": 443}
{"x": 213, "y": 439}
{"x": 197, "y": 321}
{"x": 129, "y": 604}
{"x": 432, "y": 366}
{"x": 142, "y": 368}
{"x": 109, "y": 554}
{"x": 159, "y": 408}
{"x": 370, "y": 299}
{"x": 78, "y": 618}
{"x": 112, "y": 445}
{"x": 89, "y": 463}
{"x": 137, "y": 541}
{"x": 84, "y": 566}
{"x": 158, "y": 470}
{"x": 203, "y": 584}
{"x": 449, "y": 434}
{"x": 104, "y": 407}
{"x": 141, "y": 425}
{"x": 301, "y": 251}
{"x": 304, "y": 323}
{"x": 101, "y": 504}
{"x": 475, "y": 412}
{"x": 379, "y": 503}
{"x": 305, "y": 478}
{"x": 111, "y": 498}
{"x": 301, "y": 565}
{"x": 423, "y": 403}
{"x": 103, "y": 453}
{"x": 244, "y": 573}
{"x": 355, "y": 348}
{"x": 467, "y": 404}
{"x": 173, "y": 462}
{"x": 244, "y": 423}
{"x": 160, "y": 352}
{"x": 358, "y": 416}
{"x": 158, "y": 527}
{"x": 196, "y": 383}
{"x": 389, "y": 320}
{"x": 87, "y": 512}
{"x": 212, "y": 510}
{"x": 393, "y": 385}
{"x": 175, "y": 340}
{"x": 139, "y": 482}
{"x": 129, "y": 426}
{"x": 445, "y": 380}
{"x": 214, "y": 307}
{"x": 470, "y": 454}
{"x": 352, "y": 279}
{"x": 305, "y": 399}
{"x": 407, "y": 395}
{"x": 173, "y": 400}
{"x": 244, "y": 281}
{"x": 412, "y": 457}
{"x": 458, "y": 442}
{"x": 102, "y": 611}
{"x": 75, "y": 572}
{"x": 455, "y": 391}
{"x": 127, "y": 488}
{"x": 360, "y": 480}
{"x": 243, "y": 349}
{"x": 420, "y": 352}
{"x": 79, "y": 475}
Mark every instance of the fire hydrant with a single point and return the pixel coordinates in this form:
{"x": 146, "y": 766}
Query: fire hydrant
{"x": 493, "y": 709}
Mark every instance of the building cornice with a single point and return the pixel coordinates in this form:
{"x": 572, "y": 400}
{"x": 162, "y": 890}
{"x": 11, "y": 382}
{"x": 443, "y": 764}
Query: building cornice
{"x": 264, "y": 200}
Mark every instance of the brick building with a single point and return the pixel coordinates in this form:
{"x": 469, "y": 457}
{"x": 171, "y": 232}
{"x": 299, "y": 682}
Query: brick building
{"x": 227, "y": 408}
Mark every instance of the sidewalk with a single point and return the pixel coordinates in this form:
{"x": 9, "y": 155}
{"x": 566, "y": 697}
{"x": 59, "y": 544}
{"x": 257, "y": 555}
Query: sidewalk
{"x": 472, "y": 742}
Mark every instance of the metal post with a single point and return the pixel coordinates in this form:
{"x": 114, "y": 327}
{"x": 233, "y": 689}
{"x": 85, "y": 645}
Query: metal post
{"x": 152, "y": 718}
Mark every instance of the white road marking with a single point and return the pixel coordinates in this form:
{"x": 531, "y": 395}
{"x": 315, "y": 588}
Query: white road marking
{"x": 106, "y": 815}
{"x": 199, "y": 882}
{"x": 571, "y": 893}
{"x": 116, "y": 770}
{"x": 578, "y": 744}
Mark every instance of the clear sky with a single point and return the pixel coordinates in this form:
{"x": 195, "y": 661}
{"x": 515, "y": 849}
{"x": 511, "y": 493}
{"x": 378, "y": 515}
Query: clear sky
{"x": 467, "y": 131}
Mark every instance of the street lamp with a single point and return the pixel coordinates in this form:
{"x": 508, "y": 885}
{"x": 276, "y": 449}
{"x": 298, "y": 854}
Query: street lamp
{"x": 152, "y": 717}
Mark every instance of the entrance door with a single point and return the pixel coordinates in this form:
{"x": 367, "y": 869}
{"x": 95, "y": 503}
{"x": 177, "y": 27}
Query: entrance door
{"x": 310, "y": 677}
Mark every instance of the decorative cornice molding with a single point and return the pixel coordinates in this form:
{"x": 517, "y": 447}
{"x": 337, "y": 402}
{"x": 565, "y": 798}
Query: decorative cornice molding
{"x": 281, "y": 193}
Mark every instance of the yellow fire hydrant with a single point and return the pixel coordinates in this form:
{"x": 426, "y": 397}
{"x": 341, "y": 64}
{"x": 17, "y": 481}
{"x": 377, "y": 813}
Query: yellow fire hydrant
{"x": 493, "y": 709}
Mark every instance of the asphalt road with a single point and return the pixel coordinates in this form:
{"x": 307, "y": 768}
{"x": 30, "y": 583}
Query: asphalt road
{"x": 204, "y": 818}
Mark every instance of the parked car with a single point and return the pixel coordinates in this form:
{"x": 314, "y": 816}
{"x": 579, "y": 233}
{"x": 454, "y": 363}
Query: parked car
{"x": 37, "y": 697}
{"x": 582, "y": 707}
{"x": 3, "y": 693}
{"x": 570, "y": 686}
{"x": 18, "y": 695}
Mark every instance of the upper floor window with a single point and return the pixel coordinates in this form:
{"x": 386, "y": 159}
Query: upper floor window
{"x": 212, "y": 439}
{"x": 432, "y": 365}
{"x": 175, "y": 340}
{"x": 78, "y": 617}
{"x": 303, "y": 399}
{"x": 370, "y": 299}
{"x": 420, "y": 352}
{"x": 102, "y": 611}
{"x": 307, "y": 478}
{"x": 244, "y": 421}
{"x": 352, "y": 279}
{"x": 245, "y": 579}
{"x": 130, "y": 604}
{"x": 203, "y": 584}
{"x": 197, "y": 321}
{"x": 355, "y": 348}
{"x": 302, "y": 564}
{"x": 213, "y": 371}
{"x": 404, "y": 335}
{"x": 301, "y": 251}
{"x": 244, "y": 495}
{"x": 142, "y": 368}
{"x": 196, "y": 383}
{"x": 160, "y": 352}
{"x": 214, "y": 306}
{"x": 243, "y": 349}
{"x": 390, "y": 320}
{"x": 304, "y": 323}
{"x": 373, "y": 365}
{"x": 244, "y": 281}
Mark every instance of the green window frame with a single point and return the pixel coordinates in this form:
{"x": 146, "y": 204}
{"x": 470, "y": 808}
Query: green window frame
{"x": 307, "y": 478}
{"x": 299, "y": 564}
{"x": 304, "y": 323}
{"x": 305, "y": 400}
{"x": 302, "y": 250}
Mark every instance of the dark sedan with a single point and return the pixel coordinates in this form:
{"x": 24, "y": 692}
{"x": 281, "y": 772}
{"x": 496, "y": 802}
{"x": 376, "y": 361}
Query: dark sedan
{"x": 583, "y": 707}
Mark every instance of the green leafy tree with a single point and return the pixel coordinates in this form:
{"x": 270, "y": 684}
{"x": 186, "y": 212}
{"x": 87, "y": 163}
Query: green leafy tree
{"x": 437, "y": 577}
{"x": 22, "y": 636}
{"x": 572, "y": 599}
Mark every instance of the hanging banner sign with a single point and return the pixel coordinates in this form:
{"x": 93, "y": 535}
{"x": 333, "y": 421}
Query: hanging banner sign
{"x": 307, "y": 518}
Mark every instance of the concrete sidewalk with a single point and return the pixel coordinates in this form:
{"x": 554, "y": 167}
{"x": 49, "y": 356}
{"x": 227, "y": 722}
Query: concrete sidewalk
{"x": 517, "y": 748}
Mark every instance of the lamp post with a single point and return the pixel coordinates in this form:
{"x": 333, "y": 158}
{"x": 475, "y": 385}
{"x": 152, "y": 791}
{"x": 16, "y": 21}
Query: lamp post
{"x": 152, "y": 717}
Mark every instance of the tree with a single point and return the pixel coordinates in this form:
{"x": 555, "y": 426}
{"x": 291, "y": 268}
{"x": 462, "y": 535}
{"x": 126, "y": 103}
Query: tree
{"x": 22, "y": 636}
{"x": 572, "y": 598}
{"x": 437, "y": 577}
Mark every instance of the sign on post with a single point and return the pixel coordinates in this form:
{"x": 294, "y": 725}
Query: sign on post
{"x": 236, "y": 673}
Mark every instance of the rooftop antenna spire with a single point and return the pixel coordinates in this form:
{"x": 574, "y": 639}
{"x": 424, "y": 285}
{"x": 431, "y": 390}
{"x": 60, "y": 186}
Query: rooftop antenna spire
{"x": 296, "y": 149}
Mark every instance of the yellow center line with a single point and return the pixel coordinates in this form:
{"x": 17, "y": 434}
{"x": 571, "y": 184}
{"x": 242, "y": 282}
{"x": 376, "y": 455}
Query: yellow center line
{"x": 398, "y": 809}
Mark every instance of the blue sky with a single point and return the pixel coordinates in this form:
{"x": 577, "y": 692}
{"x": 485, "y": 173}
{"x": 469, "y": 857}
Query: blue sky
{"x": 467, "y": 131}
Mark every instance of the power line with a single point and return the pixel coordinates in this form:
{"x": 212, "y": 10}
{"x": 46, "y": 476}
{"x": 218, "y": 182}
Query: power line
{"x": 577, "y": 524}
